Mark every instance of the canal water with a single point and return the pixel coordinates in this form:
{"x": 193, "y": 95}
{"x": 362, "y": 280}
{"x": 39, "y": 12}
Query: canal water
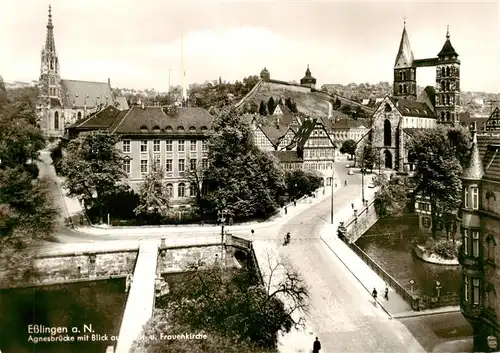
{"x": 98, "y": 305}
{"x": 389, "y": 243}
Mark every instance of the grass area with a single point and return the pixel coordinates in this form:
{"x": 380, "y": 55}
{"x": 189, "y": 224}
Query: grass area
{"x": 307, "y": 103}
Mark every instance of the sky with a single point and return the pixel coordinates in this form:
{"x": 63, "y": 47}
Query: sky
{"x": 137, "y": 43}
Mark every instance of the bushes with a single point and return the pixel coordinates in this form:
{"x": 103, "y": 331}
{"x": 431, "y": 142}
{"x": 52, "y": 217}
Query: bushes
{"x": 444, "y": 248}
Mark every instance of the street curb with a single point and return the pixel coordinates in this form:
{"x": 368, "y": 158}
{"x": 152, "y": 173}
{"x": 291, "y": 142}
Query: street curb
{"x": 452, "y": 309}
{"x": 368, "y": 290}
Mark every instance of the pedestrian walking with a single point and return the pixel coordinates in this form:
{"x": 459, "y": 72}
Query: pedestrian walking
{"x": 295, "y": 202}
{"x": 386, "y": 295}
{"x": 286, "y": 211}
{"x": 352, "y": 205}
{"x": 316, "y": 346}
{"x": 374, "y": 295}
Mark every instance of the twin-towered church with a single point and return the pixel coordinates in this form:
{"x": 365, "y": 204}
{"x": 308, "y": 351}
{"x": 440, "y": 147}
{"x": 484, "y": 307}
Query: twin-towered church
{"x": 397, "y": 117}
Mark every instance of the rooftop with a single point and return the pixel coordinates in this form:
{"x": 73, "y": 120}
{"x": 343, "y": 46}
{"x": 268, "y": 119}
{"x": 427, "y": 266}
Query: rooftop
{"x": 413, "y": 108}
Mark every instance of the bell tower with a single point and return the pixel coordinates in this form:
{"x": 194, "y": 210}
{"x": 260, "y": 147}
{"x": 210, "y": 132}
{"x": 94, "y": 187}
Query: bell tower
{"x": 448, "y": 84}
{"x": 49, "y": 69}
{"x": 405, "y": 80}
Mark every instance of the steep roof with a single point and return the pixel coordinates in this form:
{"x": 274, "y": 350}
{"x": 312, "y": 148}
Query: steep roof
{"x": 308, "y": 77}
{"x": 412, "y": 108}
{"x": 492, "y": 162}
{"x": 486, "y": 139}
{"x": 493, "y": 122}
{"x": 85, "y": 93}
{"x": 474, "y": 170}
{"x": 274, "y": 132}
{"x": 447, "y": 49}
{"x": 188, "y": 120}
{"x": 102, "y": 119}
{"x": 428, "y": 96}
{"x": 405, "y": 54}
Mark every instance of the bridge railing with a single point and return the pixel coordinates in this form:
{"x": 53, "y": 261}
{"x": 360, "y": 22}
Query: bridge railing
{"x": 387, "y": 278}
{"x": 364, "y": 210}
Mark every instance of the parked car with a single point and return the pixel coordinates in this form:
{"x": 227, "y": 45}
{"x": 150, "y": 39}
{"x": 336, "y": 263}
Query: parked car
{"x": 371, "y": 185}
{"x": 348, "y": 166}
{"x": 350, "y": 172}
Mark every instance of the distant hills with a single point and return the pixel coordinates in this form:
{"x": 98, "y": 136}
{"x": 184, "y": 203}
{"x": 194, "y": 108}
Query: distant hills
{"x": 474, "y": 102}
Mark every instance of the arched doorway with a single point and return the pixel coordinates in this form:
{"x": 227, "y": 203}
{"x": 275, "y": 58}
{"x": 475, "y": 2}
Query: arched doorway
{"x": 388, "y": 159}
{"x": 387, "y": 133}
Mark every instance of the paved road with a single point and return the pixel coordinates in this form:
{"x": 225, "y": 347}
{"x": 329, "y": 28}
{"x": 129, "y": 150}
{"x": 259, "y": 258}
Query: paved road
{"x": 342, "y": 314}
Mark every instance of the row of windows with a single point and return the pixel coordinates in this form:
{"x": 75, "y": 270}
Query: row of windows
{"x": 318, "y": 166}
{"x": 476, "y": 298}
{"x": 126, "y": 146}
{"x": 446, "y": 86}
{"x": 448, "y": 71}
{"x": 318, "y": 142}
{"x": 418, "y": 123}
{"x": 181, "y": 165}
{"x": 475, "y": 251}
{"x": 447, "y": 116}
{"x": 321, "y": 153}
{"x": 446, "y": 99}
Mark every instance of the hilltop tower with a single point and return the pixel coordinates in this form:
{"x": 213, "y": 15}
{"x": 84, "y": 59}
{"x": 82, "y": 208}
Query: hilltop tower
{"x": 448, "y": 84}
{"x": 405, "y": 80}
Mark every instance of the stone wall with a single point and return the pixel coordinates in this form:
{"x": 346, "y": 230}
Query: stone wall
{"x": 177, "y": 259}
{"x": 81, "y": 266}
{"x": 364, "y": 220}
{"x": 284, "y": 87}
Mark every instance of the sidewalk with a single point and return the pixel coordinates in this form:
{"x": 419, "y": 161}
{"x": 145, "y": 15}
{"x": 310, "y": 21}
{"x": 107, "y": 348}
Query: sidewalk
{"x": 360, "y": 270}
{"x": 279, "y": 217}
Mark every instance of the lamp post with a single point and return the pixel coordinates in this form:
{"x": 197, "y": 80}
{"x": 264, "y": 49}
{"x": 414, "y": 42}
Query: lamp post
{"x": 438, "y": 289}
{"x": 222, "y": 218}
{"x": 363, "y": 185}
{"x": 412, "y": 286}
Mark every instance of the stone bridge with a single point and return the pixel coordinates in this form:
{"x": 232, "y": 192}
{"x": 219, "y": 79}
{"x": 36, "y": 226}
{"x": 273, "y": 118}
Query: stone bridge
{"x": 361, "y": 220}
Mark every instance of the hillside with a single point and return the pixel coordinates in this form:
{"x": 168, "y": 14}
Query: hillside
{"x": 473, "y": 102}
{"x": 309, "y": 102}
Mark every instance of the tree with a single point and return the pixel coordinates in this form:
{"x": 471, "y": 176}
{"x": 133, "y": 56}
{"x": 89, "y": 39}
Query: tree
{"x": 262, "y": 108}
{"x": 196, "y": 178}
{"x": 348, "y": 147}
{"x": 249, "y": 82}
{"x": 369, "y": 156}
{"x": 241, "y": 177}
{"x": 271, "y": 104}
{"x": 290, "y": 104}
{"x": 336, "y": 104}
{"x": 301, "y": 182}
{"x": 234, "y": 305}
{"x": 437, "y": 173}
{"x": 153, "y": 196}
{"x": 392, "y": 197}
{"x": 93, "y": 168}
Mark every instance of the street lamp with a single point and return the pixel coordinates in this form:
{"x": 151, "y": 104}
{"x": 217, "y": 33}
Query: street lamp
{"x": 222, "y": 218}
{"x": 438, "y": 289}
{"x": 363, "y": 185}
{"x": 331, "y": 196}
{"x": 412, "y": 284}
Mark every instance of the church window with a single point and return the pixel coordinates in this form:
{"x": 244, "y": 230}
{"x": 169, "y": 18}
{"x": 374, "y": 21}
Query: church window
{"x": 400, "y": 88}
{"x": 447, "y": 71}
{"x": 406, "y": 88}
{"x": 79, "y": 115}
{"x": 387, "y": 107}
{"x": 447, "y": 99}
{"x": 52, "y": 64}
{"x": 56, "y": 121}
{"x": 475, "y": 243}
{"x": 387, "y": 133}
{"x": 442, "y": 71}
{"x": 403, "y": 76}
{"x": 447, "y": 116}
{"x": 466, "y": 197}
{"x": 447, "y": 85}
{"x": 442, "y": 85}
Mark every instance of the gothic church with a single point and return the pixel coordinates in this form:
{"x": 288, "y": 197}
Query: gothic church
{"x": 62, "y": 102}
{"x": 398, "y": 117}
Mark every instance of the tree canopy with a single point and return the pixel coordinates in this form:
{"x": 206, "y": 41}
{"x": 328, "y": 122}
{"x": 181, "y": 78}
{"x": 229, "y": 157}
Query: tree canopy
{"x": 153, "y": 196}
{"x": 242, "y": 178}
{"x": 93, "y": 168}
{"x": 348, "y": 147}
{"x": 438, "y": 170}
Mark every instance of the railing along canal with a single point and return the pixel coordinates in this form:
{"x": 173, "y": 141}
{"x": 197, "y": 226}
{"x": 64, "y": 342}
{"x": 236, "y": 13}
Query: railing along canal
{"x": 417, "y": 302}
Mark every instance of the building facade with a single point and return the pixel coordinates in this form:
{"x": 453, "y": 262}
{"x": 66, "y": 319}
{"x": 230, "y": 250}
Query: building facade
{"x": 151, "y": 137}
{"x": 63, "y": 102}
{"x": 479, "y": 255}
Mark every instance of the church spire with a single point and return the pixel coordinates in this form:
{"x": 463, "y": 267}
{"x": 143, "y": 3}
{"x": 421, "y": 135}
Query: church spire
{"x": 405, "y": 54}
{"x": 474, "y": 170}
{"x": 50, "y": 45}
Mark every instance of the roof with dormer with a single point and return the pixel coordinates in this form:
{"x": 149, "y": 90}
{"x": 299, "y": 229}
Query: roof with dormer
{"x": 474, "y": 170}
{"x": 287, "y": 156}
{"x": 405, "y": 54}
{"x": 87, "y": 94}
{"x": 148, "y": 121}
{"x": 412, "y": 108}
